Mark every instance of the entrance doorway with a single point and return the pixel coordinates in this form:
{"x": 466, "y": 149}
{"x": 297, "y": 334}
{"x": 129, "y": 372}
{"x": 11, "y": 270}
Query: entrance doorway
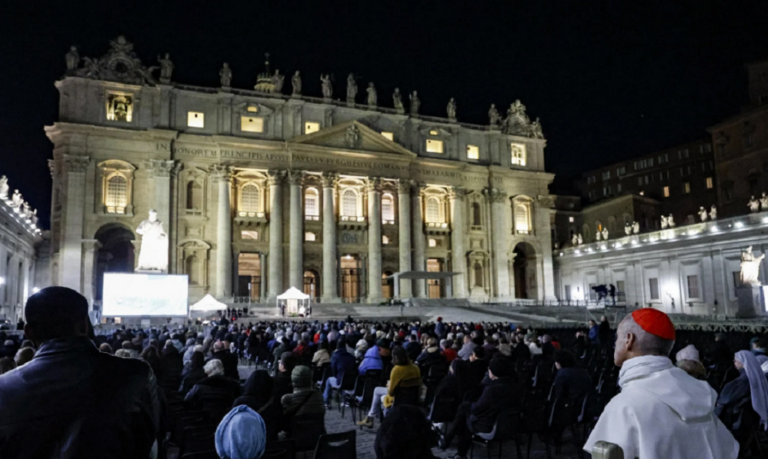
{"x": 525, "y": 271}
{"x": 310, "y": 284}
{"x": 435, "y": 287}
{"x": 350, "y": 279}
{"x": 116, "y": 254}
{"x": 249, "y": 276}
{"x": 387, "y": 285}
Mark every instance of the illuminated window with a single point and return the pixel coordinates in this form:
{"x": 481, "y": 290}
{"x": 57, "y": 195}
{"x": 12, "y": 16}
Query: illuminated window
{"x": 311, "y": 204}
{"x": 666, "y": 191}
{"x": 570, "y": 219}
{"x": 195, "y": 119}
{"x": 518, "y": 154}
{"x": 117, "y": 194}
{"x": 349, "y": 203}
{"x": 432, "y": 243}
{"x": 389, "y": 135}
{"x": 252, "y": 235}
{"x": 253, "y": 109}
{"x": 433, "y": 132}
{"x": 249, "y": 198}
{"x": 119, "y": 107}
{"x": 251, "y": 124}
{"x": 385, "y": 240}
{"x": 710, "y": 183}
{"x": 387, "y": 210}
{"x": 522, "y": 218}
{"x": 309, "y": 236}
{"x": 433, "y": 210}
{"x": 687, "y": 187}
{"x": 434, "y": 146}
{"x": 473, "y": 152}
{"x": 310, "y": 127}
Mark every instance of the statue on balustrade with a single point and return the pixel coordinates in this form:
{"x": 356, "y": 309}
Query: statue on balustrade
{"x": 671, "y": 221}
{"x": 493, "y": 116}
{"x": 415, "y": 103}
{"x": 702, "y": 213}
{"x": 597, "y": 235}
{"x": 605, "y": 234}
{"x": 580, "y": 239}
{"x": 72, "y": 58}
{"x": 713, "y": 213}
{"x": 750, "y": 267}
{"x": 372, "y": 95}
{"x": 753, "y": 204}
{"x": 166, "y": 68}
{"x": 16, "y": 200}
{"x": 351, "y": 89}
{"x": 4, "y": 187}
{"x": 636, "y": 228}
{"x": 764, "y": 202}
{"x": 627, "y": 228}
{"x": 664, "y": 222}
{"x": 154, "y": 245}
{"x": 397, "y": 101}
{"x": 226, "y": 76}
{"x": 277, "y": 81}
{"x": 327, "y": 86}
{"x": 296, "y": 84}
{"x": 451, "y": 109}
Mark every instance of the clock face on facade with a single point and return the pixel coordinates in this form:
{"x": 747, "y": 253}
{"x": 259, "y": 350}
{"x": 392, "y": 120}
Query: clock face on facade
{"x": 121, "y": 67}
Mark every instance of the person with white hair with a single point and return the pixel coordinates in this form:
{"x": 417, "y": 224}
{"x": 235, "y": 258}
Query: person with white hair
{"x": 661, "y": 411}
{"x": 215, "y": 384}
{"x": 688, "y": 360}
{"x": 745, "y": 398}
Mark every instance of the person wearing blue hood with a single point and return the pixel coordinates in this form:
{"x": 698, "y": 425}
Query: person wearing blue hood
{"x": 371, "y": 360}
{"x": 242, "y": 434}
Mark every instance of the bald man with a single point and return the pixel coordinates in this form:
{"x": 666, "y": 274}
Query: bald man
{"x": 662, "y": 412}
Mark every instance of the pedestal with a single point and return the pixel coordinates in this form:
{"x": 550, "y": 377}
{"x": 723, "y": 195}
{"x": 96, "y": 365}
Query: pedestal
{"x": 750, "y": 301}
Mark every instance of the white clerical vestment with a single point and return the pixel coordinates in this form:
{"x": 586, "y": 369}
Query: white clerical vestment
{"x": 663, "y": 413}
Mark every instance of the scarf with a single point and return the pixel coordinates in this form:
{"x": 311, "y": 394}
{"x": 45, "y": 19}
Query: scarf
{"x": 640, "y": 367}
{"x": 758, "y": 386}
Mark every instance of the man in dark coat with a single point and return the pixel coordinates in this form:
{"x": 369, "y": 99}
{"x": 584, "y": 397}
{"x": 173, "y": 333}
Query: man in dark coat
{"x": 72, "y": 400}
{"x": 571, "y": 382}
{"x": 342, "y": 362}
{"x": 228, "y": 359}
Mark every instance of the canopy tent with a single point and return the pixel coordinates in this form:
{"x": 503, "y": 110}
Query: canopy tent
{"x": 447, "y": 275}
{"x": 208, "y": 303}
{"x": 294, "y": 301}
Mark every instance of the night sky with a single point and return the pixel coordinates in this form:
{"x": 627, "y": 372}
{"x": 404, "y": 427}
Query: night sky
{"x": 610, "y": 80}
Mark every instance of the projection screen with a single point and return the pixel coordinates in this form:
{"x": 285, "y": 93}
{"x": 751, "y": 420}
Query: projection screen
{"x": 136, "y": 294}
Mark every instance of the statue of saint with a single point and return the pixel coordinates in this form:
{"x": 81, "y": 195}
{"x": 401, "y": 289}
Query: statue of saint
{"x": 636, "y": 228}
{"x": 536, "y": 132}
{"x": 277, "y": 82}
{"x": 372, "y": 97}
{"x": 580, "y": 239}
{"x": 226, "y": 76}
{"x": 627, "y": 229}
{"x": 664, "y": 222}
{"x": 4, "y": 187}
{"x": 154, "y": 245}
{"x": 327, "y": 86}
{"x": 26, "y": 211}
{"x": 605, "y": 234}
{"x": 671, "y": 221}
{"x": 397, "y": 100}
{"x": 493, "y": 116}
{"x": 16, "y": 199}
{"x": 575, "y": 240}
{"x": 415, "y": 103}
{"x": 750, "y": 267}
{"x": 296, "y": 84}
{"x": 72, "y": 58}
{"x": 451, "y": 109}
{"x": 34, "y": 217}
{"x": 166, "y": 68}
{"x": 351, "y": 89}
{"x": 764, "y": 202}
{"x": 753, "y": 204}
{"x": 597, "y": 235}
{"x": 702, "y": 213}
{"x": 713, "y": 213}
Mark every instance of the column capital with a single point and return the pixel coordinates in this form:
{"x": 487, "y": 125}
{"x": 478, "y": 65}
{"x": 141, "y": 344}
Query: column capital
{"x": 161, "y": 167}
{"x": 275, "y": 177}
{"x": 404, "y": 186}
{"x": 330, "y": 179}
{"x": 373, "y": 185}
{"x": 295, "y": 177}
{"x": 495, "y": 195}
{"x": 221, "y": 172}
{"x": 76, "y": 163}
{"x": 457, "y": 192}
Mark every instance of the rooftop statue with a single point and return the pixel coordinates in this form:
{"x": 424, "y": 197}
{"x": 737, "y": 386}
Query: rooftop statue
{"x": 397, "y": 100}
{"x": 34, "y": 217}
{"x": 119, "y": 64}
{"x": 493, "y": 116}
{"x": 226, "y": 76}
{"x": 372, "y": 96}
{"x": 26, "y": 211}
{"x": 713, "y": 213}
{"x": 597, "y": 235}
{"x": 166, "y": 68}
{"x": 351, "y": 89}
{"x": 605, "y": 234}
{"x": 753, "y": 204}
{"x": 671, "y": 221}
{"x": 415, "y": 103}
{"x": 277, "y": 81}
{"x": 763, "y": 202}
{"x": 536, "y": 132}
{"x": 664, "y": 222}
{"x": 154, "y": 245}
{"x": 750, "y": 267}
{"x": 16, "y": 200}
{"x": 636, "y": 228}
{"x": 702, "y": 213}
{"x": 4, "y": 187}
{"x": 73, "y": 59}
{"x": 327, "y": 86}
{"x": 451, "y": 109}
{"x": 296, "y": 84}
{"x": 627, "y": 228}
{"x": 516, "y": 122}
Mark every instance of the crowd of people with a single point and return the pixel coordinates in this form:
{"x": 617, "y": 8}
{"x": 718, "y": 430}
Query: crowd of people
{"x": 120, "y": 394}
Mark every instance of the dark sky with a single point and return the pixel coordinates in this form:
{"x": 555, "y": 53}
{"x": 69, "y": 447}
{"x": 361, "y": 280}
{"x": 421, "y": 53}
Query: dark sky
{"x": 609, "y": 79}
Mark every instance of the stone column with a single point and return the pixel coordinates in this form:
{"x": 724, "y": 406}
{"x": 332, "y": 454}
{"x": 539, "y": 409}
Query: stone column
{"x": 275, "y": 280}
{"x": 296, "y": 239}
{"x": 330, "y": 258}
{"x": 404, "y": 234}
{"x": 223, "y": 176}
{"x": 71, "y": 252}
{"x": 160, "y": 171}
{"x": 500, "y": 218}
{"x": 89, "y": 269}
{"x": 374, "y": 240}
{"x": 457, "y": 242}
{"x": 262, "y": 277}
{"x": 543, "y": 233}
{"x": 419, "y": 244}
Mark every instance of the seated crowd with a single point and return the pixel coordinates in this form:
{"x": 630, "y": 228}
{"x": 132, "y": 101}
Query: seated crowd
{"x": 67, "y": 392}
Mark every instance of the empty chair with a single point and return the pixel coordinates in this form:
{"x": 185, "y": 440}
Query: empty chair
{"x": 336, "y": 446}
{"x": 504, "y": 429}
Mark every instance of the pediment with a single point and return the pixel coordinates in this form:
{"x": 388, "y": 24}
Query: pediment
{"x": 353, "y": 136}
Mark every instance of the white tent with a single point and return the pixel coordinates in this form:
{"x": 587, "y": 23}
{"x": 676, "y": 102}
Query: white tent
{"x": 294, "y": 301}
{"x": 208, "y": 303}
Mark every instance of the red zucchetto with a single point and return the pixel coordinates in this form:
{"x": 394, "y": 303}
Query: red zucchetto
{"x": 655, "y": 322}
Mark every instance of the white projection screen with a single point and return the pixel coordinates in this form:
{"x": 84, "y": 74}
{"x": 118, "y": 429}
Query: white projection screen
{"x": 131, "y": 295}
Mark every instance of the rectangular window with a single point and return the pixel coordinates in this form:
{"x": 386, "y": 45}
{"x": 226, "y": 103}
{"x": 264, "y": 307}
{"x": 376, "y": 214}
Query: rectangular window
{"x": 473, "y": 152}
{"x": 620, "y": 286}
{"x": 388, "y": 135}
{"x": 310, "y": 127}
{"x": 666, "y": 191}
{"x": 252, "y": 235}
{"x": 570, "y": 219}
{"x": 687, "y": 187}
{"x": 434, "y": 146}
{"x": 195, "y": 119}
{"x": 606, "y": 190}
{"x": 119, "y": 107}
{"x": 653, "y": 285}
{"x": 618, "y": 188}
{"x": 607, "y": 175}
{"x": 518, "y": 154}
{"x": 621, "y": 171}
{"x": 710, "y": 183}
{"x": 693, "y": 286}
{"x": 251, "y": 124}
{"x": 567, "y": 293}
{"x": 310, "y": 236}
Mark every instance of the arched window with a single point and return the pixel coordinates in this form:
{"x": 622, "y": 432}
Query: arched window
{"x": 311, "y": 204}
{"x": 478, "y": 268}
{"x": 117, "y": 194}
{"x": 192, "y": 269}
{"x": 249, "y": 198}
{"x": 522, "y": 218}
{"x": 476, "y": 220}
{"x": 349, "y": 203}
{"x": 194, "y": 195}
{"x": 433, "y": 210}
{"x": 387, "y": 209}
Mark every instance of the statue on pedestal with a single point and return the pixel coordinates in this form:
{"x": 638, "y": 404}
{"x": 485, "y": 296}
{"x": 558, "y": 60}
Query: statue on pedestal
{"x": 713, "y": 213}
{"x": 277, "y": 82}
{"x": 764, "y": 202}
{"x": 451, "y": 109}
{"x": 580, "y": 239}
{"x": 664, "y": 222}
{"x": 671, "y": 221}
{"x": 26, "y": 211}
{"x": 415, "y": 103}
{"x": 372, "y": 98}
{"x": 605, "y": 234}
{"x": 72, "y": 58}
{"x": 397, "y": 100}
{"x": 16, "y": 200}
{"x": 351, "y": 89}
{"x": 597, "y": 236}
{"x": 753, "y": 204}
{"x": 166, "y": 68}
{"x": 702, "y": 213}
{"x": 154, "y": 245}
{"x": 575, "y": 240}
{"x": 34, "y": 217}
{"x": 493, "y": 116}
{"x": 627, "y": 229}
{"x": 296, "y": 84}
{"x": 636, "y": 228}
{"x": 4, "y": 188}
{"x": 750, "y": 267}
{"x": 327, "y": 86}
{"x": 226, "y": 76}
{"x": 536, "y": 132}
